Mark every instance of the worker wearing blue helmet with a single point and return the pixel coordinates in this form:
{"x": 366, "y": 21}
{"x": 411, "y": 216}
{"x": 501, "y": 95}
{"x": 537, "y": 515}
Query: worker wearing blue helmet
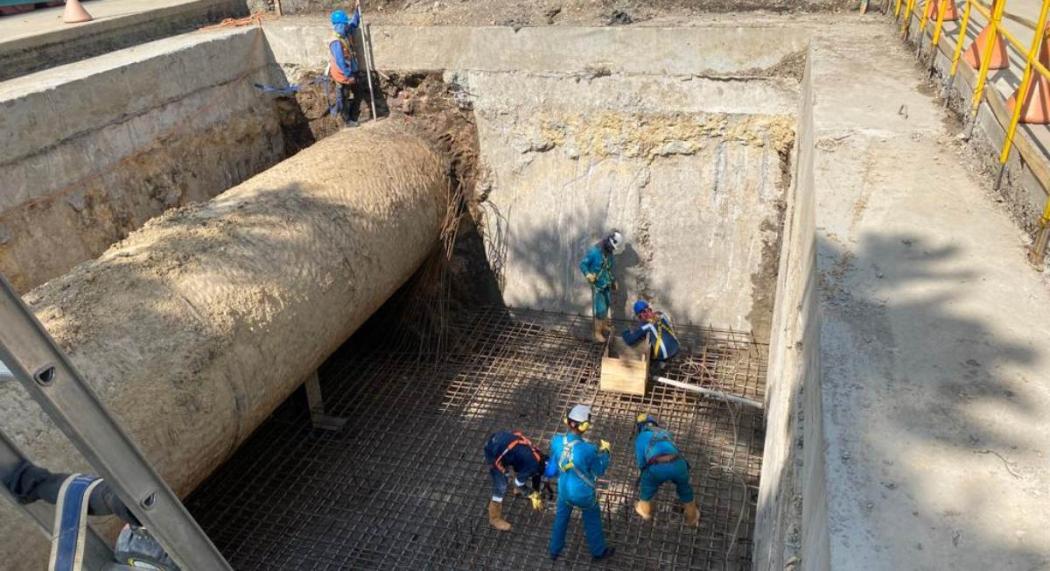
{"x": 342, "y": 64}
{"x": 656, "y": 325}
{"x": 577, "y": 465}
{"x": 660, "y": 461}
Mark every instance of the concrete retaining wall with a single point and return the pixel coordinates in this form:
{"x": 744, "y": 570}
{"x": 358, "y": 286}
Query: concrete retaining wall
{"x": 93, "y": 150}
{"x": 790, "y": 520}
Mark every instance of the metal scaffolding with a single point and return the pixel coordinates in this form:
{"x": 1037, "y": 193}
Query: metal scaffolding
{"x": 404, "y": 484}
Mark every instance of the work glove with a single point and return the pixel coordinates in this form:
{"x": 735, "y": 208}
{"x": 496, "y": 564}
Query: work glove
{"x": 591, "y": 278}
{"x": 537, "y": 501}
{"x": 604, "y": 446}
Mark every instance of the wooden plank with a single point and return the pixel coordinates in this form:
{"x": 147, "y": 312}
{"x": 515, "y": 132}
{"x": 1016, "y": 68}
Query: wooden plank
{"x": 625, "y": 369}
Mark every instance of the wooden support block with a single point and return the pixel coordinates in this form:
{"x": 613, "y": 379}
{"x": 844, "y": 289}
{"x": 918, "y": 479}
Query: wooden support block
{"x": 625, "y": 369}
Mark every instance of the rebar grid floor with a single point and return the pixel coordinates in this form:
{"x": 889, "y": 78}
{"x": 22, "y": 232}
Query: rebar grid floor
{"x": 404, "y": 485}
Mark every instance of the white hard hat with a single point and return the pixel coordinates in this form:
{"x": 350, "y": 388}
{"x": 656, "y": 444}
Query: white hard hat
{"x": 580, "y": 413}
{"x": 617, "y": 242}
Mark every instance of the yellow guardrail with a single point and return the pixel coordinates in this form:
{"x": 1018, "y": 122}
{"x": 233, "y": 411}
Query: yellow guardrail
{"x": 993, "y": 14}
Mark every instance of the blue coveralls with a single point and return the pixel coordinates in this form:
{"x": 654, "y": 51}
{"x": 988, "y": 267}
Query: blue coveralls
{"x": 597, "y": 262}
{"x": 576, "y": 489}
{"x": 662, "y": 339}
{"x": 343, "y": 65}
{"x": 520, "y": 458}
{"x": 654, "y": 441}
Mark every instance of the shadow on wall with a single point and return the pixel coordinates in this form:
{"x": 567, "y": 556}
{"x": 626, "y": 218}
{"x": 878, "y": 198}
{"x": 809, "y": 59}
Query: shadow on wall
{"x": 932, "y": 448}
{"x": 557, "y": 284}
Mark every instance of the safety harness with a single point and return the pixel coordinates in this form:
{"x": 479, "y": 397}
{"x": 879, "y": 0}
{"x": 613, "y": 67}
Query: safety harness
{"x": 659, "y": 436}
{"x": 661, "y": 326}
{"x": 519, "y": 440}
{"x": 565, "y": 462}
{"x": 605, "y": 270}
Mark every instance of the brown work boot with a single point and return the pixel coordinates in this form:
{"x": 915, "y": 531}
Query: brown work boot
{"x": 644, "y": 509}
{"x": 496, "y": 517}
{"x": 692, "y": 514}
{"x": 599, "y": 330}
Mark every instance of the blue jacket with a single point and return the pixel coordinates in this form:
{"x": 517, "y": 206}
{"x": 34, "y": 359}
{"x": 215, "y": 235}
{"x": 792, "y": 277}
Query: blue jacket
{"x": 576, "y": 479}
{"x": 596, "y": 262}
{"x": 643, "y": 452}
{"x": 347, "y": 67}
{"x": 520, "y": 458}
{"x": 663, "y": 341}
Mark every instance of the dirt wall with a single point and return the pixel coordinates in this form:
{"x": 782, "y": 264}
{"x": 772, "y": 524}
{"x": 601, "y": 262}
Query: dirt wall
{"x": 194, "y": 328}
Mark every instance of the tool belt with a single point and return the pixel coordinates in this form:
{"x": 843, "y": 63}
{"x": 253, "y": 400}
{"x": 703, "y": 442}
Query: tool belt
{"x": 662, "y": 459}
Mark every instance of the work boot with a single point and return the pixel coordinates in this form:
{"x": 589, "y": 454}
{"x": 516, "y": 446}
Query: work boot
{"x": 607, "y": 327}
{"x": 599, "y": 331}
{"x": 644, "y": 509}
{"x": 692, "y": 514}
{"x": 496, "y": 517}
{"x": 609, "y": 551}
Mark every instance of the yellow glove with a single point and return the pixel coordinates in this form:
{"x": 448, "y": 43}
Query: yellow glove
{"x": 591, "y": 278}
{"x": 604, "y": 446}
{"x": 537, "y": 501}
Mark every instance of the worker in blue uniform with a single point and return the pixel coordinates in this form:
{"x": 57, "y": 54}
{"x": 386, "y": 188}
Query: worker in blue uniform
{"x": 506, "y": 451}
{"x": 342, "y": 61}
{"x": 578, "y": 464}
{"x": 597, "y": 268}
{"x": 659, "y": 461}
{"x": 656, "y": 325}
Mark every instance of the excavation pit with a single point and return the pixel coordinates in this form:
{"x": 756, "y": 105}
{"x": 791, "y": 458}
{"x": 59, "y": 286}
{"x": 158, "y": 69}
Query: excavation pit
{"x": 404, "y": 485}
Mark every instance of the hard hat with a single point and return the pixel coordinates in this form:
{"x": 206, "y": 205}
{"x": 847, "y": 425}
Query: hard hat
{"x": 643, "y": 419}
{"x": 616, "y": 242}
{"x": 580, "y": 417}
{"x": 640, "y": 306}
{"x": 340, "y": 17}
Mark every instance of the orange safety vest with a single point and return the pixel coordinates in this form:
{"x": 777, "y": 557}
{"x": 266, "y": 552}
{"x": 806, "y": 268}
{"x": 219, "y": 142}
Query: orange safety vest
{"x": 348, "y": 55}
{"x": 498, "y": 464}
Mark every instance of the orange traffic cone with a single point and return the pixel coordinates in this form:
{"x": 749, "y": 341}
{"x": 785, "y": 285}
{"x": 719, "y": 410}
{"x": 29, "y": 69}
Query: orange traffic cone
{"x": 75, "y": 13}
{"x": 1037, "y": 102}
{"x": 951, "y": 13}
{"x": 976, "y": 50}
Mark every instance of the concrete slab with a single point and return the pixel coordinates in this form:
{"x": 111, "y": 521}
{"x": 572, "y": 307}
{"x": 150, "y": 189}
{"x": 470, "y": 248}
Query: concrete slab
{"x": 933, "y": 349}
{"x": 39, "y": 39}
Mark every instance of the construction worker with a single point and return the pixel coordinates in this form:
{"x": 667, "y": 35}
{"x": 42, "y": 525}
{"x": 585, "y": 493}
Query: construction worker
{"x": 597, "y": 269}
{"x": 578, "y": 464}
{"x": 342, "y": 65}
{"x": 656, "y": 325}
{"x": 75, "y": 495}
{"x": 505, "y": 451}
{"x": 660, "y": 461}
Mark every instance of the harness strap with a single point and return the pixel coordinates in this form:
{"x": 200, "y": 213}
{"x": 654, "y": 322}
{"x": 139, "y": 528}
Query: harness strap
{"x": 565, "y": 463}
{"x": 660, "y": 326}
{"x": 659, "y": 436}
{"x": 521, "y": 439}
{"x": 67, "y": 543}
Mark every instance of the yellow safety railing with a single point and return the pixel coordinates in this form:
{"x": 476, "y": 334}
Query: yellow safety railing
{"x": 993, "y": 15}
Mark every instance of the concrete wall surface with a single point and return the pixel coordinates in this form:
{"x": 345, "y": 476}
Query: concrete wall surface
{"x": 696, "y": 193}
{"x": 784, "y": 512}
{"x": 93, "y": 150}
{"x": 39, "y": 40}
{"x": 710, "y": 51}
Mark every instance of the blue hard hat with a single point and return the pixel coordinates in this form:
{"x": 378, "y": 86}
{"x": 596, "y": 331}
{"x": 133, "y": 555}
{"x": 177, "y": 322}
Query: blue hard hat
{"x": 640, "y": 306}
{"x": 644, "y": 419}
{"x": 340, "y": 17}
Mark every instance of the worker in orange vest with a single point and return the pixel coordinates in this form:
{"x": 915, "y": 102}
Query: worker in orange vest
{"x": 342, "y": 65}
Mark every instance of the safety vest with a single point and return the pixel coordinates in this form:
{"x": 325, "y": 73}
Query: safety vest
{"x": 498, "y": 464}
{"x": 661, "y": 326}
{"x": 565, "y": 462}
{"x": 349, "y": 55}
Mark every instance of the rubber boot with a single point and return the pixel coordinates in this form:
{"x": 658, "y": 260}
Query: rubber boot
{"x": 599, "y": 330}
{"x": 692, "y": 514}
{"x": 496, "y": 517}
{"x": 644, "y": 509}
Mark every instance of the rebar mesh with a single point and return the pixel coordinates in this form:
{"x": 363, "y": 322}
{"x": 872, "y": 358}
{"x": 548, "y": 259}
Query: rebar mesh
{"x": 404, "y": 484}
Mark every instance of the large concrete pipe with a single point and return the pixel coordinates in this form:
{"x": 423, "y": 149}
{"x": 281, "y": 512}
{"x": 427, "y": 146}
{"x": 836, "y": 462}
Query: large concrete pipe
{"x": 194, "y": 328}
